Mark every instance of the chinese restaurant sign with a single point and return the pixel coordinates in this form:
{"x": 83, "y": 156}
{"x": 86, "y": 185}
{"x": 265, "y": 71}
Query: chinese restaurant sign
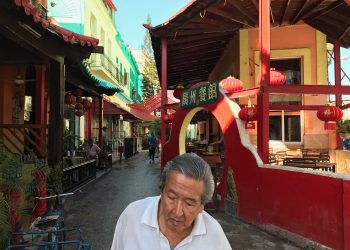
{"x": 205, "y": 94}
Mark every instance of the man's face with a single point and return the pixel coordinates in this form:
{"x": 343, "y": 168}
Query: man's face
{"x": 180, "y": 202}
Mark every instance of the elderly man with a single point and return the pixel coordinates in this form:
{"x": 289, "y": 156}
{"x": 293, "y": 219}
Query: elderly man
{"x": 175, "y": 219}
{"x": 92, "y": 150}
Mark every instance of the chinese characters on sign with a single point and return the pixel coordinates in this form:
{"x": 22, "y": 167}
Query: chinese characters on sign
{"x": 205, "y": 94}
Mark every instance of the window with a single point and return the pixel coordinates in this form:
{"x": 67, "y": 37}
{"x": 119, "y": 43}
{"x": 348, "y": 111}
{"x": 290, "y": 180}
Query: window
{"x": 125, "y": 78}
{"x": 285, "y": 126}
{"x": 292, "y": 68}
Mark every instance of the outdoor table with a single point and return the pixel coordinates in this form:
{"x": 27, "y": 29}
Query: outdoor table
{"x": 310, "y": 163}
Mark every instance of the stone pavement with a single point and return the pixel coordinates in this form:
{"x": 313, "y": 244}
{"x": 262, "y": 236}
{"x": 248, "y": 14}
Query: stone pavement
{"x": 97, "y": 207}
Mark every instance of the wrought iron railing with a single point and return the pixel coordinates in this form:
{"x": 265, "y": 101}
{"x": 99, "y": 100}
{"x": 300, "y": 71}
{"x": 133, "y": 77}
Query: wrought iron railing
{"x": 24, "y": 138}
{"x": 74, "y": 176}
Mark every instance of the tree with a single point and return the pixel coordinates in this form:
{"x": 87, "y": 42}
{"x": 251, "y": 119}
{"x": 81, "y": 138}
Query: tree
{"x": 150, "y": 83}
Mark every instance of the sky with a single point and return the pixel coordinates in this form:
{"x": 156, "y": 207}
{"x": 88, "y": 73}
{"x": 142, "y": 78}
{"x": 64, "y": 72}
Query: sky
{"x": 131, "y": 14}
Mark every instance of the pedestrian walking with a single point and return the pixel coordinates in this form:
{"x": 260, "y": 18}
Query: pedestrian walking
{"x": 151, "y": 147}
{"x": 176, "y": 218}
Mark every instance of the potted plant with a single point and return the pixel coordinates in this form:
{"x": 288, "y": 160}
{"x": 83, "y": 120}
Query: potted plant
{"x": 343, "y": 128}
{"x": 10, "y": 187}
{"x": 4, "y": 222}
{"x": 69, "y": 139}
{"x": 38, "y": 187}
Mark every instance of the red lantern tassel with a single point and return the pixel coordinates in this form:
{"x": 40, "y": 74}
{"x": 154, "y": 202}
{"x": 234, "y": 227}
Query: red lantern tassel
{"x": 250, "y": 125}
{"x": 330, "y": 125}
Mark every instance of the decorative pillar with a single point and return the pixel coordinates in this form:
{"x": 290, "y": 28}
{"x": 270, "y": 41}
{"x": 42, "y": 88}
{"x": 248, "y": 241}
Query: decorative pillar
{"x": 164, "y": 87}
{"x": 100, "y": 121}
{"x": 264, "y": 80}
{"x": 40, "y": 103}
{"x": 88, "y": 122}
{"x": 55, "y": 140}
{"x": 337, "y": 80}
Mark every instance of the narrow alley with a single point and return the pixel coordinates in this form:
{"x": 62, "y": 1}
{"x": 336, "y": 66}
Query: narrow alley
{"x": 97, "y": 206}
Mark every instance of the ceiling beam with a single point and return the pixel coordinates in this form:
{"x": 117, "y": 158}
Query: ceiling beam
{"x": 210, "y": 21}
{"x": 193, "y": 38}
{"x": 256, "y": 4}
{"x": 344, "y": 34}
{"x": 204, "y": 43}
{"x": 317, "y": 14}
{"x": 181, "y": 32}
{"x": 329, "y": 27}
{"x": 195, "y": 51}
{"x": 192, "y": 59}
{"x": 230, "y": 16}
{"x": 243, "y": 10}
{"x": 188, "y": 71}
{"x": 284, "y": 12}
{"x": 299, "y": 11}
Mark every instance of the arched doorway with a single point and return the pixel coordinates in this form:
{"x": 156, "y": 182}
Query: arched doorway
{"x": 241, "y": 156}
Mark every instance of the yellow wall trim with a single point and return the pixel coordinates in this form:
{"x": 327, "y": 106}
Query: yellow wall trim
{"x": 304, "y": 54}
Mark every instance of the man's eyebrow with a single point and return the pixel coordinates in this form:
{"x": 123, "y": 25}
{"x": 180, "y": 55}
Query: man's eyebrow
{"x": 187, "y": 199}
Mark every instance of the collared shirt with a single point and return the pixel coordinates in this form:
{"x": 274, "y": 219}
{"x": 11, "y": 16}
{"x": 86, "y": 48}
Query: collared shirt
{"x": 138, "y": 229}
{"x": 93, "y": 150}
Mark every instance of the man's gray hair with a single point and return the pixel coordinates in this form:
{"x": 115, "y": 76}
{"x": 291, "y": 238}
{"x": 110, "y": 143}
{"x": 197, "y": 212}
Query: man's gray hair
{"x": 193, "y": 166}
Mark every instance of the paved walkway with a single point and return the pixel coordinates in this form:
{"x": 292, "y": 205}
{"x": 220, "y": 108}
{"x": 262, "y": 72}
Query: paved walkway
{"x": 97, "y": 207}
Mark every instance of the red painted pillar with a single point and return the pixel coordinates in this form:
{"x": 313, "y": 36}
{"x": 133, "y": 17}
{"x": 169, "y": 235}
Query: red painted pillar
{"x": 264, "y": 80}
{"x": 40, "y": 101}
{"x": 88, "y": 122}
{"x": 164, "y": 48}
{"x": 337, "y": 80}
{"x": 346, "y": 213}
{"x": 100, "y": 121}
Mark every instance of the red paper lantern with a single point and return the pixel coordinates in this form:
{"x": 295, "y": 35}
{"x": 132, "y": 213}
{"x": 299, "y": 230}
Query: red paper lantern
{"x": 231, "y": 84}
{"x": 168, "y": 118}
{"x": 86, "y": 104}
{"x": 178, "y": 91}
{"x": 69, "y": 99}
{"x": 79, "y": 106}
{"x": 248, "y": 114}
{"x": 330, "y": 115}
{"x": 79, "y": 112}
{"x": 277, "y": 77}
{"x": 79, "y": 99}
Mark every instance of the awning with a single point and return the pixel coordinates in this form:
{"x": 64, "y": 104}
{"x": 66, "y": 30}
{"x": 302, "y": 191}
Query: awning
{"x": 105, "y": 86}
{"x": 198, "y": 35}
{"x": 151, "y": 104}
{"x": 131, "y": 114}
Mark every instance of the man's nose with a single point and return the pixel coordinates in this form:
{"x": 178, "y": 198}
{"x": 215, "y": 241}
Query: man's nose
{"x": 178, "y": 208}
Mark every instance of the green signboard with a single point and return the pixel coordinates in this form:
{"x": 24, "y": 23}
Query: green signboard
{"x": 204, "y": 94}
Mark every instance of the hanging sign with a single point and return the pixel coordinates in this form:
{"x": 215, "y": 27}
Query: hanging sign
{"x": 204, "y": 94}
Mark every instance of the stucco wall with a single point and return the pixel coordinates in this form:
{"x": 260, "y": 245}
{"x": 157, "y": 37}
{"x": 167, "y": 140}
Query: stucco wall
{"x": 296, "y": 41}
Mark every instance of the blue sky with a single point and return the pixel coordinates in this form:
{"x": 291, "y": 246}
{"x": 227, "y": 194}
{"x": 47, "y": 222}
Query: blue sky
{"x": 132, "y": 14}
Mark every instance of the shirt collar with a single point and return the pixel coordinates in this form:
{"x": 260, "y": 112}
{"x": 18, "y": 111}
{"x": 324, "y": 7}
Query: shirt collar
{"x": 150, "y": 215}
{"x": 150, "y": 218}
